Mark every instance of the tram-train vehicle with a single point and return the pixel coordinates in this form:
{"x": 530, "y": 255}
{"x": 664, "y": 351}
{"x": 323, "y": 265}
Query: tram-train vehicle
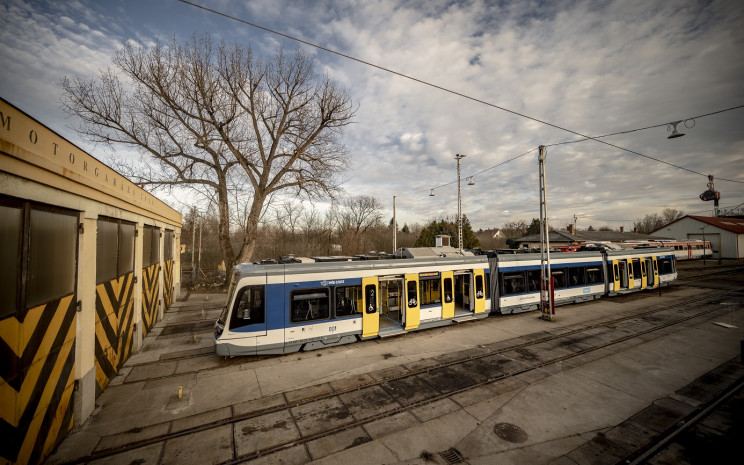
{"x": 275, "y": 309}
{"x": 683, "y": 250}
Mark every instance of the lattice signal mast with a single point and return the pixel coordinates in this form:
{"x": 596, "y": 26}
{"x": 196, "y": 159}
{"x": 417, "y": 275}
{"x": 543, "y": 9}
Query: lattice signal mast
{"x": 547, "y": 300}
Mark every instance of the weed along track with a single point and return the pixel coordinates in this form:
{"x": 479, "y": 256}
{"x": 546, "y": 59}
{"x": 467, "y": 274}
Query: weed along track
{"x": 325, "y": 419}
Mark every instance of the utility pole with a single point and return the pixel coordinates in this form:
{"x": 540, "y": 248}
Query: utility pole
{"x": 200, "y": 243}
{"x": 395, "y": 229}
{"x": 459, "y": 157}
{"x": 193, "y": 244}
{"x": 547, "y": 304}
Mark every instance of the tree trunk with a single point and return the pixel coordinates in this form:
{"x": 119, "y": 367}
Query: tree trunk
{"x": 228, "y": 254}
{"x": 251, "y": 231}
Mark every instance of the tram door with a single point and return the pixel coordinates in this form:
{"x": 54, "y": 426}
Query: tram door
{"x": 463, "y": 297}
{"x": 622, "y": 274}
{"x": 412, "y": 305}
{"x": 480, "y": 291}
{"x": 615, "y": 266}
{"x": 248, "y": 317}
{"x": 370, "y": 317}
{"x": 644, "y": 278}
{"x": 448, "y": 300}
{"x": 391, "y": 293}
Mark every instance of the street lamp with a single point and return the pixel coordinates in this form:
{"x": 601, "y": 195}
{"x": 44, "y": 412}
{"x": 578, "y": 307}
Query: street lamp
{"x": 459, "y": 157}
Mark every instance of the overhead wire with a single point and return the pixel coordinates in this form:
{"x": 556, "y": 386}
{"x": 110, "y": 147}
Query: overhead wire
{"x": 615, "y": 134}
{"x": 487, "y": 169}
{"x": 459, "y": 94}
{"x": 644, "y": 128}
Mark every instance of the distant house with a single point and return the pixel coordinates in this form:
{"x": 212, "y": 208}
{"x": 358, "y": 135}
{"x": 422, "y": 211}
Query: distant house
{"x": 726, "y": 235}
{"x": 573, "y": 237}
{"x": 492, "y": 233}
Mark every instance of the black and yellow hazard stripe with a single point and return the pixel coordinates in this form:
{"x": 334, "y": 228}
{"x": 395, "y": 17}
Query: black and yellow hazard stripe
{"x": 114, "y": 327}
{"x": 37, "y": 380}
{"x": 168, "y": 283}
{"x": 150, "y": 288}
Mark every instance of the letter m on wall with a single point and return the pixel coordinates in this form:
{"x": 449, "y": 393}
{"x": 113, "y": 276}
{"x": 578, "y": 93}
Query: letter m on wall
{"x": 4, "y": 122}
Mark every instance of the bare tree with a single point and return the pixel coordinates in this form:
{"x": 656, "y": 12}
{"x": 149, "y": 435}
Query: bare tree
{"x": 357, "y": 215}
{"x": 654, "y": 221}
{"x": 218, "y": 117}
{"x": 671, "y": 214}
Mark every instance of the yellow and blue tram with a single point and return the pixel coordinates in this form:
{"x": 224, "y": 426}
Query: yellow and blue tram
{"x": 275, "y": 309}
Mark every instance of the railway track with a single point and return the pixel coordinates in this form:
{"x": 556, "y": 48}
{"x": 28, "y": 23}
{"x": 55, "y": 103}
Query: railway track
{"x": 201, "y": 326}
{"x": 428, "y": 382}
{"x": 719, "y": 270}
{"x": 664, "y": 440}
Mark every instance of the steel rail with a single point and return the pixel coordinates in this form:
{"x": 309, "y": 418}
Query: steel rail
{"x": 688, "y": 304}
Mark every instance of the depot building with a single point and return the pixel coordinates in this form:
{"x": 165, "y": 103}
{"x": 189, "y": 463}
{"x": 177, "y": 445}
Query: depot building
{"x": 89, "y": 265}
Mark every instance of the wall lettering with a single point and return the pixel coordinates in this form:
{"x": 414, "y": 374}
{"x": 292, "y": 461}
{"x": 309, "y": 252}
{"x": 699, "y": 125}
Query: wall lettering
{"x": 28, "y": 136}
{"x": 5, "y": 121}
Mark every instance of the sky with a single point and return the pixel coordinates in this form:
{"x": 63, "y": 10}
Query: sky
{"x": 589, "y": 67}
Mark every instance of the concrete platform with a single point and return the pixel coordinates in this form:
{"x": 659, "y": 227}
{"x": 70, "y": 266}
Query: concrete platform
{"x": 588, "y": 411}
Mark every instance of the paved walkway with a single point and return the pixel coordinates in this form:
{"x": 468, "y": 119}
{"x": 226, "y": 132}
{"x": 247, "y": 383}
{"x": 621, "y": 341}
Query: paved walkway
{"x": 571, "y": 414}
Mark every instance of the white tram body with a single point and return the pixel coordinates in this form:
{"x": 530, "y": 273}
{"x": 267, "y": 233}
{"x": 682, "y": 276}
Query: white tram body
{"x": 577, "y": 277}
{"x": 273, "y": 309}
{"x": 276, "y": 309}
{"x": 639, "y": 269}
{"x": 682, "y": 250}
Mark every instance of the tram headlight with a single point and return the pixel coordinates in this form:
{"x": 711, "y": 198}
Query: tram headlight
{"x": 218, "y": 328}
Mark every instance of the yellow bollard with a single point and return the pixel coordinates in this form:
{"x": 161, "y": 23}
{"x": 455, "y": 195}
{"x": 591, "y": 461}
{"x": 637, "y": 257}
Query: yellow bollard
{"x": 180, "y": 391}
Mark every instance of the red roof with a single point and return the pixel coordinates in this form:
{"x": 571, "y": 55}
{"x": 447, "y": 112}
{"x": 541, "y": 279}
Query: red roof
{"x": 735, "y": 225}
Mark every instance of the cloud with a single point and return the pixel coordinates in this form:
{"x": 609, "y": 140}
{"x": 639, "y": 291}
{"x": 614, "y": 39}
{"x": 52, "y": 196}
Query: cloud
{"x": 594, "y": 68}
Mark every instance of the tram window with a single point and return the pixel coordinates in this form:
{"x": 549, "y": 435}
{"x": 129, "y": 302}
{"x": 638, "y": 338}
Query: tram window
{"x": 429, "y": 291}
{"x": 52, "y": 256}
{"x": 411, "y": 292}
{"x": 348, "y": 300}
{"x": 533, "y": 280}
{"x": 447, "y": 290}
{"x": 594, "y": 275}
{"x": 310, "y": 305}
{"x": 636, "y": 268}
{"x": 576, "y": 276}
{"x": 512, "y": 283}
{"x": 559, "y": 278}
{"x": 371, "y": 301}
{"x": 479, "y": 294}
{"x": 487, "y": 277}
{"x": 666, "y": 266}
{"x": 10, "y": 251}
{"x": 249, "y": 307}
